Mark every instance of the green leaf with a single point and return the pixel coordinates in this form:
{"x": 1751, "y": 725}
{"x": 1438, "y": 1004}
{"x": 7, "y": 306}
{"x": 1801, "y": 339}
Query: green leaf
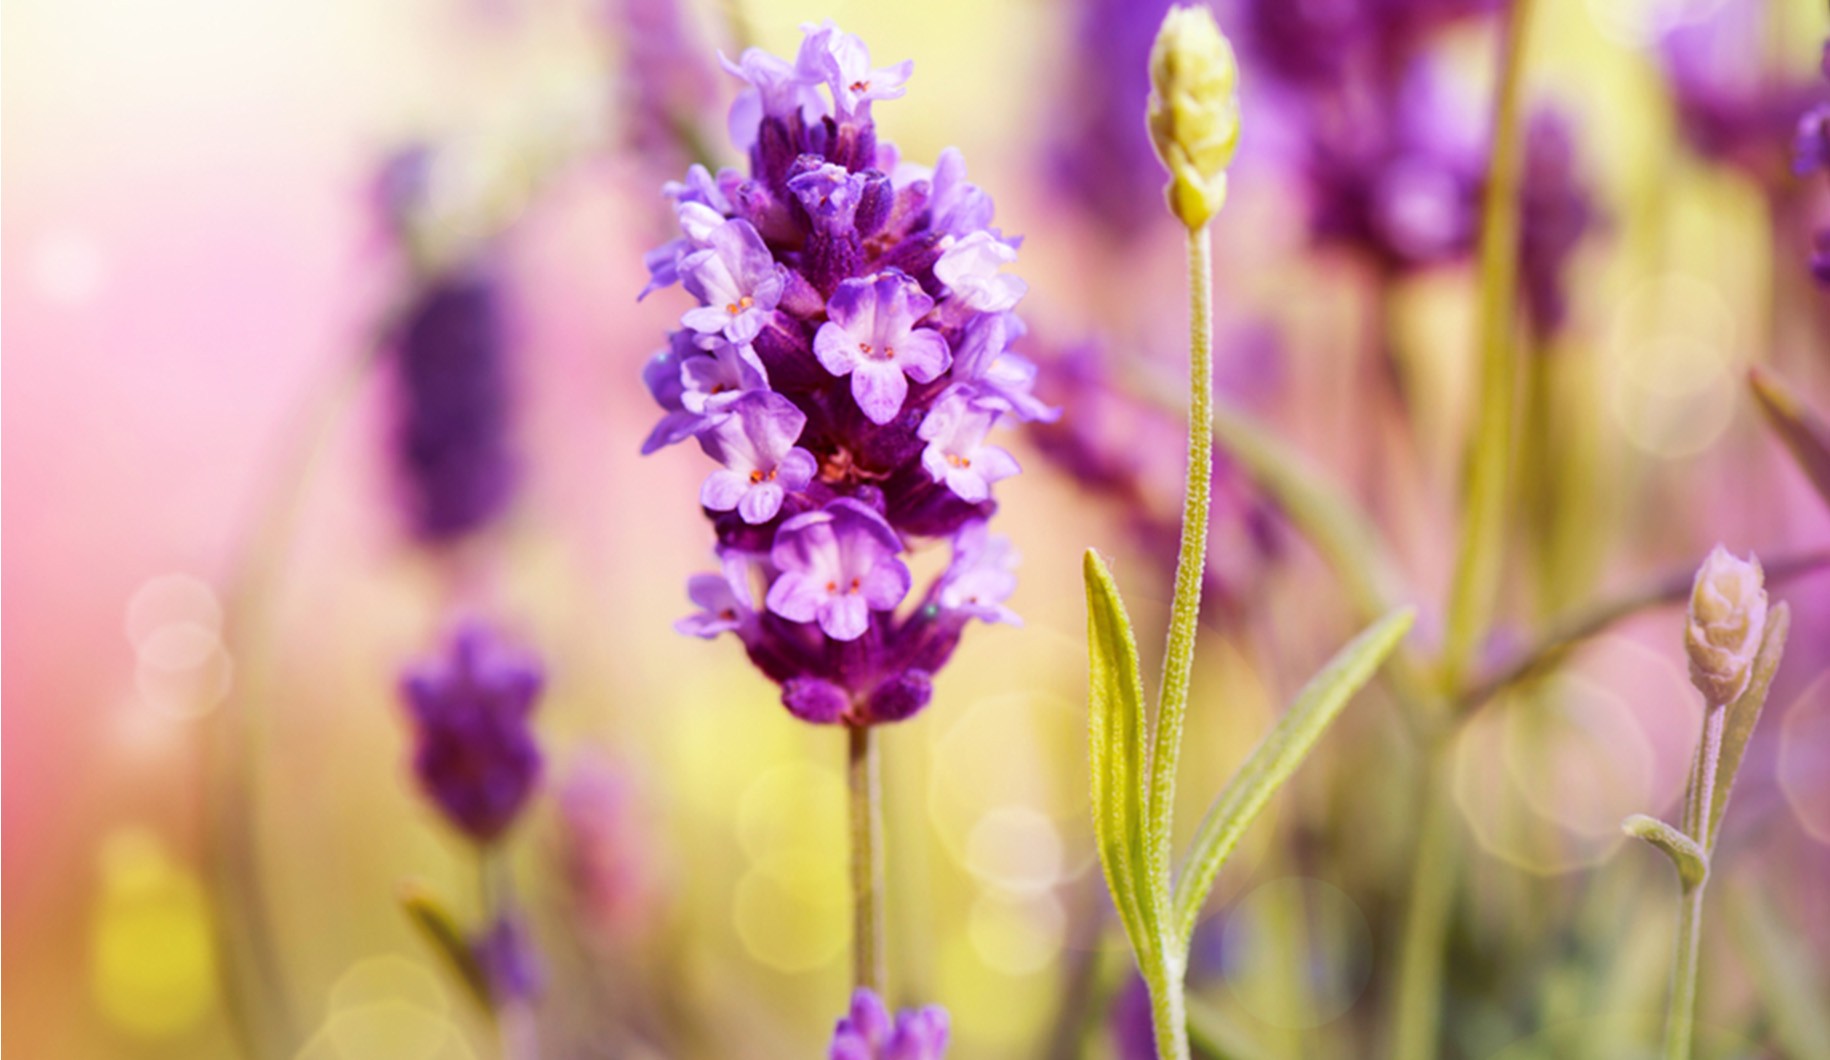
{"x": 1743, "y": 713}
{"x": 1797, "y": 426}
{"x": 1277, "y": 756}
{"x": 440, "y": 928}
{"x": 1691, "y": 863}
{"x": 1117, "y": 737}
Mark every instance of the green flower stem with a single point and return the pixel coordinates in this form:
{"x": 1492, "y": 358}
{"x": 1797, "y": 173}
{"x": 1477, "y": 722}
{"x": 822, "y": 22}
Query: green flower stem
{"x": 865, "y": 783}
{"x": 1488, "y": 467}
{"x": 1697, "y": 810}
{"x": 1426, "y": 925}
{"x": 1566, "y": 635}
{"x": 1167, "y": 1003}
{"x": 249, "y": 966}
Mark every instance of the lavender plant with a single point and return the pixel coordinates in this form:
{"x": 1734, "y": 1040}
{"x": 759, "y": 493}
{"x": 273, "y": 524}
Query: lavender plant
{"x": 1734, "y": 645}
{"x": 867, "y": 1032}
{"x": 846, "y": 363}
{"x": 477, "y": 761}
{"x": 1193, "y": 120}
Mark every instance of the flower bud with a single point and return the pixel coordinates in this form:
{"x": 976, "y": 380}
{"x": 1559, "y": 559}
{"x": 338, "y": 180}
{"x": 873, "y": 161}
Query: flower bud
{"x": 1194, "y": 111}
{"x": 1726, "y": 623}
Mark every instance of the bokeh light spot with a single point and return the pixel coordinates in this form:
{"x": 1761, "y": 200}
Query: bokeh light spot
{"x": 1016, "y": 848}
{"x": 1804, "y": 758}
{"x": 171, "y": 599}
{"x": 1017, "y": 935}
{"x": 788, "y": 922}
{"x": 152, "y": 966}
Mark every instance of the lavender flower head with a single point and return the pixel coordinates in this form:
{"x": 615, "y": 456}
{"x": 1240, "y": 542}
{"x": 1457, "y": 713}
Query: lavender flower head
{"x": 449, "y": 353}
{"x": 1557, "y": 210}
{"x": 844, "y": 367}
{"x": 1731, "y": 108}
{"x": 474, "y": 749}
{"x": 510, "y": 961}
{"x": 866, "y": 1033}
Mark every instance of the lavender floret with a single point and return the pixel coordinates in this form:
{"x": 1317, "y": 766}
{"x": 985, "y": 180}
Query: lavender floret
{"x": 867, "y": 1033}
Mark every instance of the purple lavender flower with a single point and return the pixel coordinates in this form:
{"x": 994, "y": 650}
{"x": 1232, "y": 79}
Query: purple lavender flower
{"x": 475, "y": 754}
{"x": 846, "y": 364}
{"x": 1731, "y": 107}
{"x": 453, "y": 409}
{"x": 1811, "y": 152}
{"x": 666, "y": 83}
{"x": 510, "y": 961}
{"x": 837, "y": 565}
{"x": 866, "y": 1033}
{"x": 1557, "y": 209}
{"x": 872, "y": 337}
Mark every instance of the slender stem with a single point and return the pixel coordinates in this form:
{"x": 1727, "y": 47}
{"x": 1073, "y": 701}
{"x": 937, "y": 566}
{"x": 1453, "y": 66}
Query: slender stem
{"x": 1697, "y": 806}
{"x": 862, "y": 774}
{"x": 1671, "y": 588}
{"x": 1426, "y": 925}
{"x": 1488, "y": 467}
{"x": 1167, "y": 1004}
{"x": 249, "y": 965}
{"x": 1169, "y": 1012}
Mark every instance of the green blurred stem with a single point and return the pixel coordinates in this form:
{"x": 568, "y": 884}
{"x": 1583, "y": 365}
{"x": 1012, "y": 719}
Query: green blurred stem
{"x": 1566, "y": 635}
{"x": 1488, "y": 467}
{"x": 864, "y": 781}
{"x": 1167, "y": 1003}
{"x": 251, "y": 974}
{"x": 1697, "y": 808}
{"x": 1426, "y": 925}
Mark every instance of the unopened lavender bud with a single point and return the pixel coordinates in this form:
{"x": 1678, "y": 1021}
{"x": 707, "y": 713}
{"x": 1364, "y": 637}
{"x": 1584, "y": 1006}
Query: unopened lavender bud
{"x": 1726, "y": 623}
{"x": 1194, "y": 111}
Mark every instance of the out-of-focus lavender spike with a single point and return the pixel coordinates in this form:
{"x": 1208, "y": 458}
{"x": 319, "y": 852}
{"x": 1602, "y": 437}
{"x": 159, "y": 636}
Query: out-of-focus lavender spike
{"x": 1810, "y": 154}
{"x": 1732, "y": 107}
{"x": 1557, "y": 210}
{"x": 453, "y": 416}
{"x": 474, "y": 751}
{"x": 667, "y": 81}
{"x": 606, "y": 849}
{"x": 1101, "y": 157}
{"x": 868, "y": 1033}
{"x": 510, "y": 960}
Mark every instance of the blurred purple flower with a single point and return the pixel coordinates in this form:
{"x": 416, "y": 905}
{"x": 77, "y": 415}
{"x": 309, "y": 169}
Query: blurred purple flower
{"x": 1733, "y": 109}
{"x": 666, "y": 82}
{"x": 1811, "y": 153}
{"x": 1131, "y": 1023}
{"x": 1557, "y": 209}
{"x": 607, "y": 849}
{"x": 509, "y": 959}
{"x": 866, "y": 1032}
{"x": 847, "y": 363}
{"x": 453, "y": 408}
{"x": 474, "y": 749}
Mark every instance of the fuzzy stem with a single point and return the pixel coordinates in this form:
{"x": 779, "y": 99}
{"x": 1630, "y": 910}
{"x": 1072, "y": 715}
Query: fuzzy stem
{"x": 1697, "y": 806}
{"x": 863, "y": 779}
{"x": 1167, "y": 1004}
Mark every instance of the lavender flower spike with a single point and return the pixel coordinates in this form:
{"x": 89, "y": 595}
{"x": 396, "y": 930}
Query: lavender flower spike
{"x": 866, "y": 1033}
{"x": 1811, "y": 152}
{"x": 475, "y": 753}
{"x": 847, "y": 362}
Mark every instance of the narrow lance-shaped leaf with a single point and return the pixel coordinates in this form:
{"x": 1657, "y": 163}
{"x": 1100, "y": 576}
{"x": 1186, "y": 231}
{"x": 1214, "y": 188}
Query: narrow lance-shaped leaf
{"x": 1117, "y": 737}
{"x": 1743, "y": 713}
{"x": 439, "y": 928}
{"x": 1277, "y": 757}
{"x": 1691, "y": 863}
{"x": 1797, "y": 426}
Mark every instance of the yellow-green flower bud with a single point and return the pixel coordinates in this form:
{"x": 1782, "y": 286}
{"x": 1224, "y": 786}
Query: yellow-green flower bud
{"x": 1194, "y": 111}
{"x": 1726, "y": 623}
